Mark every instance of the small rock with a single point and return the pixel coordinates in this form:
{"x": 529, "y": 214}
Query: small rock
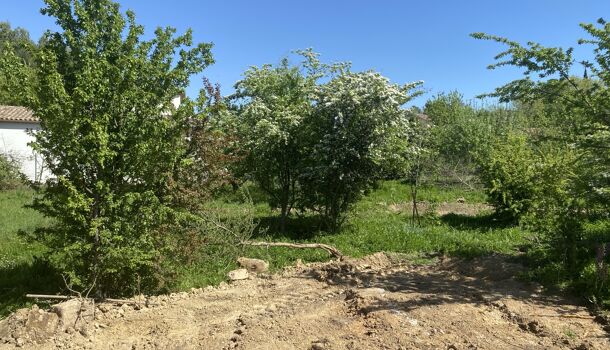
{"x": 104, "y": 308}
{"x": 40, "y": 326}
{"x": 85, "y": 332}
{"x": 253, "y": 265}
{"x": 239, "y": 274}
{"x": 412, "y": 321}
{"x": 319, "y": 345}
{"x": 72, "y": 311}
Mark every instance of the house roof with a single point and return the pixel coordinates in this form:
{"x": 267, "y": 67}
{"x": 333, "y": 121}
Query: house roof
{"x": 17, "y": 114}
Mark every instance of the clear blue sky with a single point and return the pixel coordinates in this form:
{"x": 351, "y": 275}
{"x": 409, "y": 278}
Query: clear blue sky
{"x": 404, "y": 40}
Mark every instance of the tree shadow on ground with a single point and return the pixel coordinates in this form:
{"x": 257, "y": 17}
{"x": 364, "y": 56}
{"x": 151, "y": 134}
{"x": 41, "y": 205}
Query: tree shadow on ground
{"x": 296, "y": 227}
{"x": 481, "y": 222}
{"x": 27, "y": 277}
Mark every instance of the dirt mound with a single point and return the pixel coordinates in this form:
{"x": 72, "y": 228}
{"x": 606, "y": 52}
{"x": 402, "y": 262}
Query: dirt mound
{"x": 377, "y": 302}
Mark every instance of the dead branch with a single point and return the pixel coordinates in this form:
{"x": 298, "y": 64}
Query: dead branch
{"x": 68, "y": 297}
{"x": 50, "y": 297}
{"x": 330, "y": 249}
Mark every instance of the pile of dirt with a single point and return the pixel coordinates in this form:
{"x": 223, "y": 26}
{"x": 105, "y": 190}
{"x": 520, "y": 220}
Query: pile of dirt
{"x": 378, "y": 302}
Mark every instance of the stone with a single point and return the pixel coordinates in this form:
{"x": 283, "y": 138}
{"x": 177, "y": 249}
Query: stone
{"x": 253, "y": 265}
{"x": 72, "y": 311}
{"x": 239, "y": 274}
{"x": 41, "y": 325}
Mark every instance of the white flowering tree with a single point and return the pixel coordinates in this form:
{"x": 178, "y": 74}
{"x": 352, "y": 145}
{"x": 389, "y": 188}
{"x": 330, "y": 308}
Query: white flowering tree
{"x": 358, "y": 118}
{"x": 273, "y": 105}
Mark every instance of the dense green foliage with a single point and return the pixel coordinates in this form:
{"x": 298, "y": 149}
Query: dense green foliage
{"x": 112, "y": 139}
{"x": 274, "y": 105}
{"x": 316, "y": 136}
{"x": 17, "y": 76}
{"x": 568, "y": 190}
{"x": 147, "y": 195}
{"x": 355, "y": 115}
{"x": 19, "y": 41}
{"x": 508, "y": 172}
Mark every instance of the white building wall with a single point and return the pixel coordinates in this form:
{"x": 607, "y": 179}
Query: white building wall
{"x": 14, "y": 140}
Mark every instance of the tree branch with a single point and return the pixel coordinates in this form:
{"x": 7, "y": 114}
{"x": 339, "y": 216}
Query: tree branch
{"x": 330, "y": 249}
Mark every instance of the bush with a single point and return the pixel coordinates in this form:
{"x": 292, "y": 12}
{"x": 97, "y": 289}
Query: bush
{"x": 354, "y": 116}
{"x": 507, "y": 170}
{"x": 10, "y": 177}
{"x": 112, "y": 139}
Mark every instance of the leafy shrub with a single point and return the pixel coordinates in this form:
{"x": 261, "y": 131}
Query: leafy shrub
{"x": 10, "y": 177}
{"x": 274, "y": 104}
{"x": 112, "y": 140}
{"x": 507, "y": 170}
{"x": 354, "y": 116}
{"x": 572, "y": 186}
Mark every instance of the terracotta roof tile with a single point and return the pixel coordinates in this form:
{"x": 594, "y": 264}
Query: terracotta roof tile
{"x": 17, "y": 114}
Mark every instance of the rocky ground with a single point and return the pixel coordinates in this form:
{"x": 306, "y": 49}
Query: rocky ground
{"x": 378, "y": 302}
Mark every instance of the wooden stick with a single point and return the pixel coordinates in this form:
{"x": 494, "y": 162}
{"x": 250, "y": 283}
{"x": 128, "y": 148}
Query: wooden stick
{"x": 45, "y": 296}
{"x": 330, "y": 249}
{"x": 66, "y": 297}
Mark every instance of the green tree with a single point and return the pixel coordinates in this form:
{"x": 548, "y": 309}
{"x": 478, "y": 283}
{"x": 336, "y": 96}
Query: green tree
{"x": 355, "y": 115}
{"x": 17, "y": 76}
{"x": 111, "y": 138}
{"x": 572, "y": 184}
{"x": 19, "y": 41}
{"x": 274, "y": 105}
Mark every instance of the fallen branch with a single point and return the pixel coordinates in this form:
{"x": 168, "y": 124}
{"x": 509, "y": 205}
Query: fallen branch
{"x": 68, "y": 297}
{"x": 330, "y": 249}
{"x": 52, "y": 297}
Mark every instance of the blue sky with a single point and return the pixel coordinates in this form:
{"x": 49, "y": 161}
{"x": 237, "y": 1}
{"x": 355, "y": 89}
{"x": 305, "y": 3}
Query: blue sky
{"x": 404, "y": 40}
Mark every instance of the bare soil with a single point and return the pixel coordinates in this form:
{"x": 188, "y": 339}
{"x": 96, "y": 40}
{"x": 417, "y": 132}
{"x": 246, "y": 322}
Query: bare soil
{"x": 457, "y": 208}
{"x": 378, "y": 302}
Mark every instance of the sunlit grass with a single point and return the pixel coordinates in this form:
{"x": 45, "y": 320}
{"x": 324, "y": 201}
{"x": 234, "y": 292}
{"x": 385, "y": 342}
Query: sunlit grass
{"x": 371, "y": 227}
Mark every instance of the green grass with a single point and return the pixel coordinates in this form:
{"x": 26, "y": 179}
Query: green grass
{"x": 21, "y": 270}
{"x": 371, "y": 227}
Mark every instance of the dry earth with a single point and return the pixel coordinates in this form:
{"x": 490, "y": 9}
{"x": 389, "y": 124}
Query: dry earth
{"x": 377, "y": 302}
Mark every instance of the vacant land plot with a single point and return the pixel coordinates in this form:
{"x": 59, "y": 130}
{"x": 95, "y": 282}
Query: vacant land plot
{"x": 377, "y": 302}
